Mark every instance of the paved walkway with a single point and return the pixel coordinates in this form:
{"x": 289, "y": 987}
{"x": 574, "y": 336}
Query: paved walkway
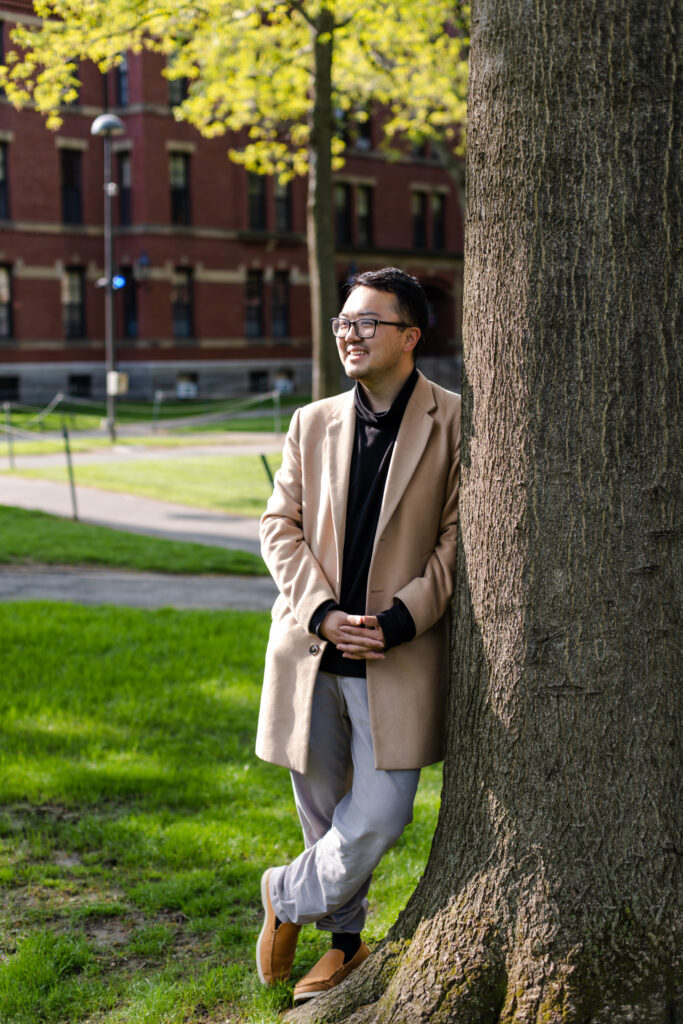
{"x": 137, "y": 515}
{"x": 238, "y": 444}
{"x": 136, "y": 589}
{"x": 128, "y": 512}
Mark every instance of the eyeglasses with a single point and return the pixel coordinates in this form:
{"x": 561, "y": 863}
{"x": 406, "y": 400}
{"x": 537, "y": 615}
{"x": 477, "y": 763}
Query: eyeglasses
{"x": 364, "y": 328}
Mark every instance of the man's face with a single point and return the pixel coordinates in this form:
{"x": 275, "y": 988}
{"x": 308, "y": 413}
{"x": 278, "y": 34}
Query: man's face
{"x": 388, "y": 354}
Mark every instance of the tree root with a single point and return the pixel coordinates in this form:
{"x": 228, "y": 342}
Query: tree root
{"x": 358, "y": 995}
{"x": 463, "y": 971}
{"x": 418, "y": 981}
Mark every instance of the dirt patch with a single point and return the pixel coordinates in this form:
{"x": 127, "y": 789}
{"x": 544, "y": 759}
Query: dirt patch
{"x": 66, "y": 860}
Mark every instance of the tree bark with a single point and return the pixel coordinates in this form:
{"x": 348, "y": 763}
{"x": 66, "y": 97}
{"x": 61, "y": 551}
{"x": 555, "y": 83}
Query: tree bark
{"x": 552, "y": 893}
{"x": 319, "y": 219}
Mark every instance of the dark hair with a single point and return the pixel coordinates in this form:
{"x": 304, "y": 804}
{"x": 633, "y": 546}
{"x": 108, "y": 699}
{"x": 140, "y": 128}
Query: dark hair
{"x": 411, "y": 299}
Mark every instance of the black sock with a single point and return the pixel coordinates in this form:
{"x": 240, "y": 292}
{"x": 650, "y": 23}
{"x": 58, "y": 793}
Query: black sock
{"x": 348, "y": 942}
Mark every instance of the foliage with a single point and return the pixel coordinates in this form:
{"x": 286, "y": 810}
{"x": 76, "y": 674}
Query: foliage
{"x": 27, "y": 536}
{"x": 136, "y": 821}
{"x": 252, "y": 66}
{"x": 287, "y": 77}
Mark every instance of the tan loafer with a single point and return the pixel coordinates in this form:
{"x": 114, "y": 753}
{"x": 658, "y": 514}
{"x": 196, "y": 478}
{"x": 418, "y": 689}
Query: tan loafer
{"x": 275, "y": 947}
{"x": 329, "y": 971}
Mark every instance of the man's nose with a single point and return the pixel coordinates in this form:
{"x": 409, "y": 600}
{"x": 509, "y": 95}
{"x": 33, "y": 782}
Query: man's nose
{"x": 352, "y": 327}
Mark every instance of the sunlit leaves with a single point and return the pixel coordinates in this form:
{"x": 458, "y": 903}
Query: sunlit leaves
{"x": 251, "y": 68}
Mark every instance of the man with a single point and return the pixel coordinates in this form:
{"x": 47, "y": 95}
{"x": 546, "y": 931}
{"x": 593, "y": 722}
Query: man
{"x": 360, "y": 537}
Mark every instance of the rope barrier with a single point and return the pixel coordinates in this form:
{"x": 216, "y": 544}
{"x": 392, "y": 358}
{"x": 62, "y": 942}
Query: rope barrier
{"x": 144, "y": 426}
{"x": 29, "y": 435}
{"x": 50, "y": 407}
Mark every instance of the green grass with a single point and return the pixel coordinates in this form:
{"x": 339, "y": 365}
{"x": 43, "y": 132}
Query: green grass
{"x": 135, "y": 820}
{"x": 28, "y": 537}
{"x": 234, "y": 484}
{"x": 89, "y": 416}
{"x": 161, "y": 439}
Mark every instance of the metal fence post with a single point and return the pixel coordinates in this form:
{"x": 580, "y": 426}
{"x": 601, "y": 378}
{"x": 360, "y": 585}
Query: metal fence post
{"x": 72, "y": 484}
{"x": 10, "y": 440}
{"x": 268, "y": 470}
{"x": 278, "y": 417}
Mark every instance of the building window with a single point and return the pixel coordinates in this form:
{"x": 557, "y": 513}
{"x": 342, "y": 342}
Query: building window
{"x": 253, "y": 326}
{"x": 256, "y": 186}
{"x": 125, "y": 196}
{"x": 73, "y": 303}
{"x": 283, "y": 206}
{"x": 342, "y": 210}
{"x": 179, "y": 176}
{"x": 187, "y": 385}
{"x": 9, "y": 389}
{"x": 258, "y": 381}
{"x": 71, "y": 161}
{"x": 129, "y": 304}
{"x": 279, "y": 309}
{"x": 364, "y": 216}
{"x": 5, "y": 302}
{"x": 362, "y": 132}
{"x": 438, "y": 221}
{"x": 4, "y": 182}
{"x": 178, "y": 89}
{"x": 80, "y": 385}
{"x": 355, "y": 128}
{"x": 418, "y": 205}
{"x": 182, "y": 303}
{"x": 121, "y": 82}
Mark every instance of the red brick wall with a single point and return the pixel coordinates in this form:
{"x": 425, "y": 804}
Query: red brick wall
{"x": 38, "y": 245}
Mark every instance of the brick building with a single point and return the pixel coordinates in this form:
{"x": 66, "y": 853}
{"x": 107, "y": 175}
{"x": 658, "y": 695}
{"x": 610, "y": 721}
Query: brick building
{"x": 214, "y": 259}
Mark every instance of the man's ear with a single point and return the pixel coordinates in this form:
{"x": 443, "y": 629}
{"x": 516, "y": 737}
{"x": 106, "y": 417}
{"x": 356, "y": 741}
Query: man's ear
{"x": 411, "y": 338}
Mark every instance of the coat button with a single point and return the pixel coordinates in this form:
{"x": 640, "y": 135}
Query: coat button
{"x": 314, "y": 649}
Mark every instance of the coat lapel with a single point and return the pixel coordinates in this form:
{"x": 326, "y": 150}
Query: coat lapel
{"x": 339, "y": 448}
{"x": 413, "y": 434}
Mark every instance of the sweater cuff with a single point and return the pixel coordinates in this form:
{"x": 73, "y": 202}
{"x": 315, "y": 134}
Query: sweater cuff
{"x": 397, "y": 625}
{"x": 319, "y": 614}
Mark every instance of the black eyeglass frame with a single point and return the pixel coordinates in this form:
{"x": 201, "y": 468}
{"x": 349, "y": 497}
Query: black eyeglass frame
{"x": 366, "y": 319}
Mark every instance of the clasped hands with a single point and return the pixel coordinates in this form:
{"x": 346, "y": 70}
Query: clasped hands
{"x": 358, "y": 637}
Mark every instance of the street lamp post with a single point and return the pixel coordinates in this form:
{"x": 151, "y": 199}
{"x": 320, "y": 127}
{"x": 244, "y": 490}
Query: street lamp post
{"x": 107, "y": 125}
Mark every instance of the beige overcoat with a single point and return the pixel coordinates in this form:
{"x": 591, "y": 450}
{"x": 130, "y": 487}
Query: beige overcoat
{"x": 413, "y": 558}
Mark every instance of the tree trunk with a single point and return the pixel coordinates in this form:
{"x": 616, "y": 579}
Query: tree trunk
{"x": 552, "y": 892}
{"x": 319, "y": 221}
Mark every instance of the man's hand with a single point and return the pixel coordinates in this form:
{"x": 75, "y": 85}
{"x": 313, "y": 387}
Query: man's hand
{"x": 358, "y": 637}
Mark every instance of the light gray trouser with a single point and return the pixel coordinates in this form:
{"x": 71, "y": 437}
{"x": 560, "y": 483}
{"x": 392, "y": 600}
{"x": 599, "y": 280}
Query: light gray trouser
{"x": 346, "y": 830}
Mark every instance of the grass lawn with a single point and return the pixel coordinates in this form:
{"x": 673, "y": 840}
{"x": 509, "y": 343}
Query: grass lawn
{"x": 89, "y": 415}
{"x": 135, "y": 820}
{"x": 28, "y": 537}
{"x": 158, "y": 440}
{"x": 234, "y": 484}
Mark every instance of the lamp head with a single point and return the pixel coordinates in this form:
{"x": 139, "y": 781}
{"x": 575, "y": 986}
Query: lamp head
{"x": 107, "y": 124}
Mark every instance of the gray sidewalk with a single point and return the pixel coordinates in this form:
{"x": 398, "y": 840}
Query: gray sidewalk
{"x": 128, "y": 512}
{"x": 136, "y": 589}
{"x": 238, "y": 444}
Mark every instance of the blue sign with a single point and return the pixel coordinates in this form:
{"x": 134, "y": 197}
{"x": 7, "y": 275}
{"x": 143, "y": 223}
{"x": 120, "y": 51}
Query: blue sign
{"x": 117, "y": 281}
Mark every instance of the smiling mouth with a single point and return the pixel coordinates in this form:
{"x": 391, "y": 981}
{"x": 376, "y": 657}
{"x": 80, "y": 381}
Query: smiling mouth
{"x": 356, "y": 352}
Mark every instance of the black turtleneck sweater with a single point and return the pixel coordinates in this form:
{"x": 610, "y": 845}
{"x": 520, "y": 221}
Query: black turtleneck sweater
{"x": 372, "y": 449}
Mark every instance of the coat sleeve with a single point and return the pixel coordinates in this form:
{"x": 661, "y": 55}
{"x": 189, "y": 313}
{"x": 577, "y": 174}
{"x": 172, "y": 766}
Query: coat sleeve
{"x": 297, "y": 573}
{"x": 427, "y": 596}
